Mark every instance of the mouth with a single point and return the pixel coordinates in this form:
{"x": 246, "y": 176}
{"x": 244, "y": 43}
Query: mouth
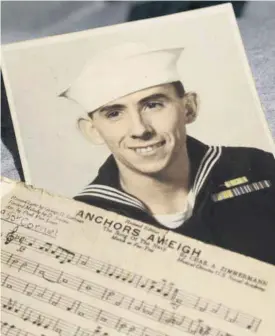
{"x": 148, "y": 149}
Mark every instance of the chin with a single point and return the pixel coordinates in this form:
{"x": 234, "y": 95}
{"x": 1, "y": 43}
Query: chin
{"x": 153, "y": 168}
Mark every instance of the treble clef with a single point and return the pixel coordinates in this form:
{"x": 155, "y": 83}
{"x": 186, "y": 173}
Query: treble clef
{"x": 10, "y": 236}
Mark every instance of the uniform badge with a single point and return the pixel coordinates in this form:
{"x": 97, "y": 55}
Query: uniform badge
{"x": 236, "y": 181}
{"x": 240, "y": 190}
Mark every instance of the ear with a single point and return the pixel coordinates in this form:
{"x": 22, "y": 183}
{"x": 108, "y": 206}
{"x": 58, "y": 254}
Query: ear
{"x": 88, "y": 130}
{"x": 191, "y": 105}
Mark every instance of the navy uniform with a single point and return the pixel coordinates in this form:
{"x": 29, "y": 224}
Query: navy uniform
{"x": 234, "y": 205}
{"x": 233, "y": 189}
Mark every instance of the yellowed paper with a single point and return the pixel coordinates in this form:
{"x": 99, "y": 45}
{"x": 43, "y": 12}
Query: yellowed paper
{"x": 70, "y": 269}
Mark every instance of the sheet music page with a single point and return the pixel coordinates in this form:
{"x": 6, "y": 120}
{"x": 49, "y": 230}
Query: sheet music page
{"x": 70, "y": 269}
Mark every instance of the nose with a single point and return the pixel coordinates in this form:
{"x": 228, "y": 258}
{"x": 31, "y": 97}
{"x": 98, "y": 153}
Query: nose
{"x": 140, "y": 128}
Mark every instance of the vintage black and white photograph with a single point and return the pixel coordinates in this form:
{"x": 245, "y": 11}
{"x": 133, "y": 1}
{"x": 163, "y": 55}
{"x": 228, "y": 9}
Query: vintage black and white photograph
{"x": 158, "y": 120}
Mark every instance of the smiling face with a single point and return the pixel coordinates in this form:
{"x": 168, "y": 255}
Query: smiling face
{"x": 145, "y": 130}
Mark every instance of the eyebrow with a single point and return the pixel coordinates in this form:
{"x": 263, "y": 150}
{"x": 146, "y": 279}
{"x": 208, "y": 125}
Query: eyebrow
{"x": 141, "y": 102}
{"x": 155, "y": 96}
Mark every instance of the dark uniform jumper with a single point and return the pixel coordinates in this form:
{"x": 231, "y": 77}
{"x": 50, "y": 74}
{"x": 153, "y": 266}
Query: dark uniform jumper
{"x": 234, "y": 205}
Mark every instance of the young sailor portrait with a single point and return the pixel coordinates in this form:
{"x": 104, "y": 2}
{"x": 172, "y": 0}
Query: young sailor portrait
{"x": 136, "y": 104}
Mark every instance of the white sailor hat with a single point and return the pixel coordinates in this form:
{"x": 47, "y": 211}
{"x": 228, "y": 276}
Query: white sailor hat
{"x": 121, "y": 70}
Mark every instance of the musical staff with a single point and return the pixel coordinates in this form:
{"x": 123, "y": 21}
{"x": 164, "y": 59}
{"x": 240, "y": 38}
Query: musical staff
{"x": 8, "y": 329}
{"x": 64, "y": 328}
{"x": 166, "y": 290}
{"x": 153, "y": 312}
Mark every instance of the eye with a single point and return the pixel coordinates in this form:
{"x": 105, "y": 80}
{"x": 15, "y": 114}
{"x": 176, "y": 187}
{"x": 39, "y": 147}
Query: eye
{"x": 113, "y": 114}
{"x": 154, "y": 105}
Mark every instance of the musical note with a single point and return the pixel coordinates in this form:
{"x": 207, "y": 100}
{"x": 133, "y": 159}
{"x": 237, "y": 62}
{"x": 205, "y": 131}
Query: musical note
{"x": 171, "y": 320}
{"x": 99, "y": 331}
{"x": 39, "y": 320}
{"x": 11, "y": 330}
{"x": 176, "y": 296}
{"x": 111, "y": 271}
{"x": 40, "y": 293}
{"x": 9, "y": 305}
{"x": 146, "y": 283}
{"x": 92, "y": 289}
{"x": 122, "y": 327}
{"x": 150, "y": 287}
{"x": 26, "y": 313}
{"x": 137, "y": 306}
{"x": 68, "y": 329}
{"x": 4, "y": 325}
{"x": 108, "y": 319}
{"x": 214, "y": 307}
{"x": 168, "y": 291}
{"x": 254, "y": 324}
{"x": 83, "y": 260}
{"x": 118, "y": 273}
{"x": 150, "y": 309}
{"x": 29, "y": 289}
{"x": 109, "y": 294}
{"x": 202, "y": 305}
{"x": 183, "y": 322}
{"x": 131, "y": 330}
{"x": 195, "y": 326}
{"x": 119, "y": 300}
{"x": 127, "y": 328}
{"x": 63, "y": 255}
{"x": 232, "y": 316}
{"x": 55, "y": 299}
{"x": 73, "y": 306}
{"x": 46, "y": 247}
{"x": 4, "y": 278}
{"x": 21, "y": 249}
{"x": 90, "y": 312}
{"x": 25, "y": 264}
{"x": 204, "y": 331}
